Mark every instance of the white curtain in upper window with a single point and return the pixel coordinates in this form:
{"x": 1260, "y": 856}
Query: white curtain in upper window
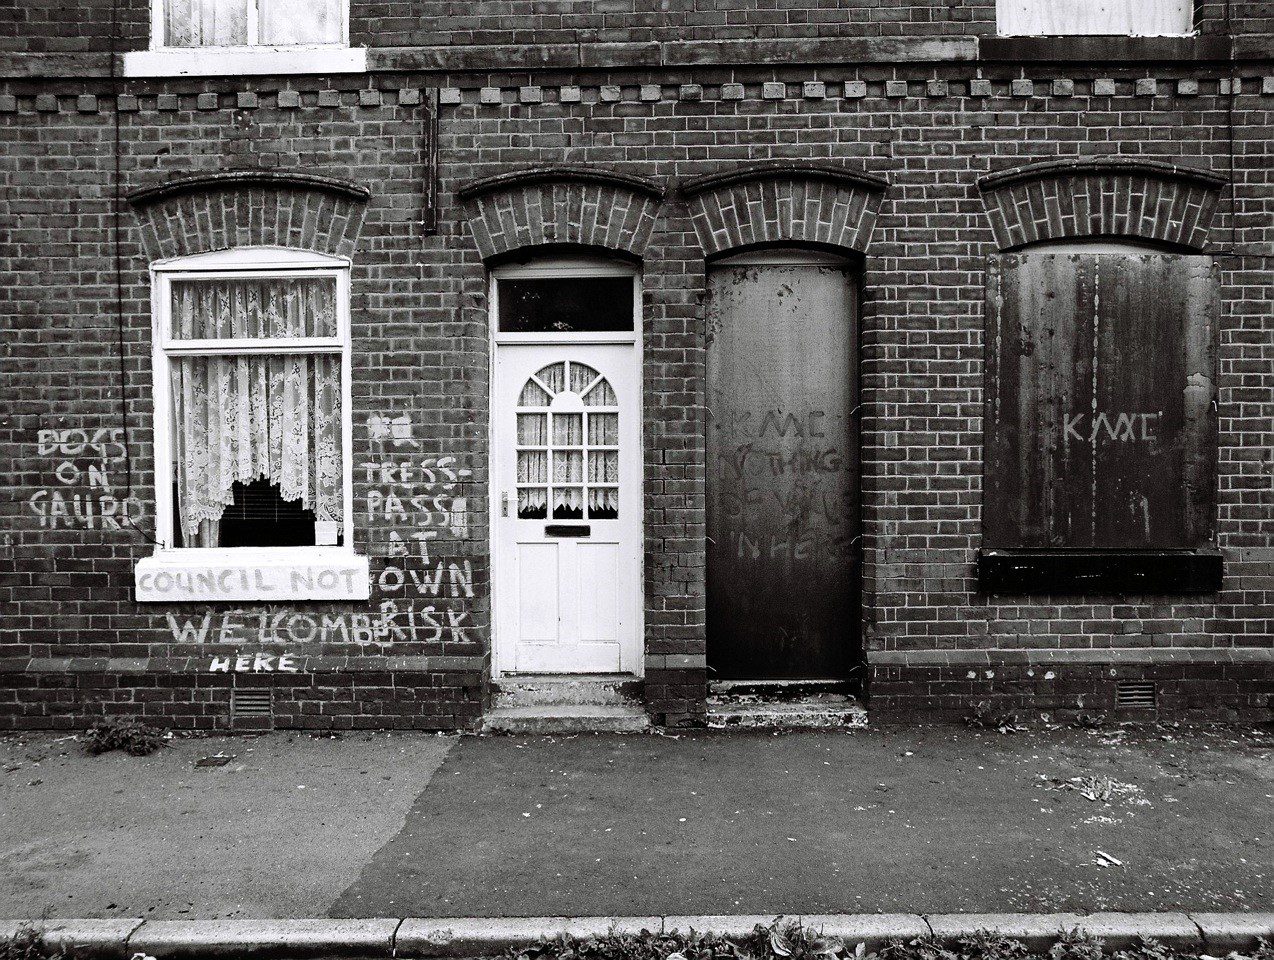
{"x": 301, "y": 21}
{"x": 205, "y": 23}
{"x": 254, "y": 308}
{"x": 1145, "y": 18}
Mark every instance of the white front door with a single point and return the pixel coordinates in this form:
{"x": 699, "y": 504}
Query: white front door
{"x": 567, "y": 501}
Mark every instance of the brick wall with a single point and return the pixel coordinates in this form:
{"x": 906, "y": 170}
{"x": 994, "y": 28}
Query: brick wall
{"x": 47, "y": 26}
{"x": 71, "y": 641}
{"x": 419, "y": 397}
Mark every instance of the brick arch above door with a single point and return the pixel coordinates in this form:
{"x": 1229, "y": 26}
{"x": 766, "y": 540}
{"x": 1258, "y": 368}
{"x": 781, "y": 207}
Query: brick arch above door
{"x": 249, "y": 208}
{"x": 784, "y": 203}
{"x": 561, "y": 205}
{"x": 1151, "y": 200}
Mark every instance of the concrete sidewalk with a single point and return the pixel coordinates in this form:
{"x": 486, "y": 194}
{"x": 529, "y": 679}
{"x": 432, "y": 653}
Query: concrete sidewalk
{"x": 928, "y": 818}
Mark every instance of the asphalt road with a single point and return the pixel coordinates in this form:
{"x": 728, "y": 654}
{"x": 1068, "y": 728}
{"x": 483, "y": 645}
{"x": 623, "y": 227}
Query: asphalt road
{"x": 924, "y": 819}
{"x": 919, "y": 818}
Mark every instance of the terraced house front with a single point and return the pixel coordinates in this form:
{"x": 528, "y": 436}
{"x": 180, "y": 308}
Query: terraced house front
{"x": 408, "y": 364}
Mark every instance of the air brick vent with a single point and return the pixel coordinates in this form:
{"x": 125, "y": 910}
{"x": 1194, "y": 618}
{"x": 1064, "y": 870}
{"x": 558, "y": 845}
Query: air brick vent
{"x": 251, "y": 705}
{"x": 1135, "y": 693}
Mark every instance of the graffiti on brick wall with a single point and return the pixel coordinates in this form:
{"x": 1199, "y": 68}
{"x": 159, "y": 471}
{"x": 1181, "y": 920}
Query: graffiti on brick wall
{"x": 83, "y": 494}
{"x": 415, "y": 501}
{"x": 272, "y": 625}
{"x": 255, "y": 663}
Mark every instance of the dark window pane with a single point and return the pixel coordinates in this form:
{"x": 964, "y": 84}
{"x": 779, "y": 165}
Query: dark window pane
{"x": 260, "y": 517}
{"x": 567, "y": 305}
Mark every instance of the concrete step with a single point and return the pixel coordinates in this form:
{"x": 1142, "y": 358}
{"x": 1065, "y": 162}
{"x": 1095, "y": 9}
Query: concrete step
{"x": 780, "y": 689}
{"x": 566, "y": 718}
{"x": 526, "y": 690}
{"x": 820, "y": 711}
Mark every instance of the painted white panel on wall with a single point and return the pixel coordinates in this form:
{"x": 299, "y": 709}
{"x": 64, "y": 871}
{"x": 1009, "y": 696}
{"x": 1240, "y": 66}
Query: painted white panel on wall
{"x": 250, "y": 573}
{"x": 1139, "y": 18}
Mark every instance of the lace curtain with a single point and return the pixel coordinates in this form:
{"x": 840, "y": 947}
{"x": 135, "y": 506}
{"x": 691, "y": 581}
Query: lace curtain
{"x": 241, "y": 417}
{"x": 224, "y": 23}
{"x": 205, "y": 23}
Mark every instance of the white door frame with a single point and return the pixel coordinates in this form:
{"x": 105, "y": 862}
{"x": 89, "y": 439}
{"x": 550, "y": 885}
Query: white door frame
{"x": 502, "y": 656}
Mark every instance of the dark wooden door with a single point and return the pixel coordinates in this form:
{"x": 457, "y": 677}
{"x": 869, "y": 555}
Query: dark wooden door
{"x": 1100, "y": 382}
{"x": 782, "y": 508}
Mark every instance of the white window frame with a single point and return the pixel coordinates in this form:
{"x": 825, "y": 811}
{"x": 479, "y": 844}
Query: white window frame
{"x": 1025, "y": 18}
{"x": 562, "y": 269}
{"x": 244, "y": 263}
{"x": 252, "y": 58}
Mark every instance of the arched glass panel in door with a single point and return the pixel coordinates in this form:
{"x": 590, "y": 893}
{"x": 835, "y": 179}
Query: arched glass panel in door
{"x": 568, "y": 445}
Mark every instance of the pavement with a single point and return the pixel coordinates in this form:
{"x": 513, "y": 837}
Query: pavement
{"x": 279, "y": 831}
{"x": 927, "y": 818}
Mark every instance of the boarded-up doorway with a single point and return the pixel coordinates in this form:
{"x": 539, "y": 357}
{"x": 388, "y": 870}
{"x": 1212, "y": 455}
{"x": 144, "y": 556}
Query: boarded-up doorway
{"x": 783, "y": 467}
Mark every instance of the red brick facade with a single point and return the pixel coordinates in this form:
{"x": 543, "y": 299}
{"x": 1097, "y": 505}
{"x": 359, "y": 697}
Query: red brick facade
{"x": 913, "y": 157}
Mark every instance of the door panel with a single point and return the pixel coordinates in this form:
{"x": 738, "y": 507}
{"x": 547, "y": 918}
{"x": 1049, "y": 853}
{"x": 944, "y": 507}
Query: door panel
{"x": 599, "y": 592}
{"x": 566, "y": 469}
{"x": 537, "y": 612}
{"x": 782, "y": 507}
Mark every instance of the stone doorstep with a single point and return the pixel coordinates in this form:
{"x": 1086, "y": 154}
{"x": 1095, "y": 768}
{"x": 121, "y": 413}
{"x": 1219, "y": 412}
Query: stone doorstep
{"x": 785, "y": 716}
{"x": 559, "y": 718}
{"x": 780, "y": 689}
{"x": 559, "y": 704}
{"x": 463, "y": 937}
{"x": 784, "y": 704}
{"x": 524, "y": 690}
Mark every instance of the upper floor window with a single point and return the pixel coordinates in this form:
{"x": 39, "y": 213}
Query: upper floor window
{"x": 1137, "y": 18}
{"x": 249, "y": 23}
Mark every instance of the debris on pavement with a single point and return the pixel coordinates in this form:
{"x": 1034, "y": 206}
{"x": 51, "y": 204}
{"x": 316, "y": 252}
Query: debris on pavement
{"x": 218, "y": 759}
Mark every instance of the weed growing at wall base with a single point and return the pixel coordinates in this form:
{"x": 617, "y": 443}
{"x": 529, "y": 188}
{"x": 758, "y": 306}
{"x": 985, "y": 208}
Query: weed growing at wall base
{"x": 792, "y": 941}
{"x": 29, "y": 944}
{"x": 131, "y": 736}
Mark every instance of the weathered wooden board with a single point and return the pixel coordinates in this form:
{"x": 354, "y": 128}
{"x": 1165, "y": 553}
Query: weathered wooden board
{"x": 782, "y": 508}
{"x": 1100, "y": 425}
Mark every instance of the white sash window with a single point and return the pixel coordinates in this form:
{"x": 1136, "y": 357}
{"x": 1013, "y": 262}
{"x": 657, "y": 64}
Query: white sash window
{"x": 249, "y": 23}
{"x": 232, "y": 38}
{"x": 252, "y": 431}
{"x": 1135, "y": 18}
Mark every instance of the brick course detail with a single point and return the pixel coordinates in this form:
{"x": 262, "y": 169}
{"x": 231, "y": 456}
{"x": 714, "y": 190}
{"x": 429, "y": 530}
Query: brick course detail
{"x": 784, "y": 203}
{"x": 1063, "y": 201}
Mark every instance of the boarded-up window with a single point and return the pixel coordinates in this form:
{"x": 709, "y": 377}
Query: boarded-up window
{"x": 1100, "y": 415}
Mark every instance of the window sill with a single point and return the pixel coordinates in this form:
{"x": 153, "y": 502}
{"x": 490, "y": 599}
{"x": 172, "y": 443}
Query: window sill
{"x": 279, "y": 575}
{"x": 1160, "y": 572}
{"x": 1086, "y": 48}
{"x": 244, "y": 61}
